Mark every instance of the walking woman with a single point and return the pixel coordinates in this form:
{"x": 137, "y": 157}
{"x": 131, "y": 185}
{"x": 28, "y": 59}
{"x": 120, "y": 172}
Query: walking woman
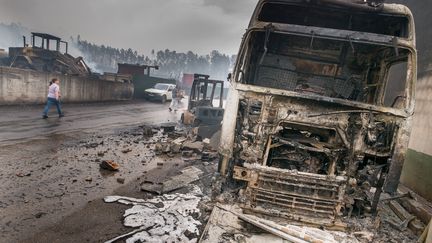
{"x": 174, "y": 100}
{"x": 53, "y": 98}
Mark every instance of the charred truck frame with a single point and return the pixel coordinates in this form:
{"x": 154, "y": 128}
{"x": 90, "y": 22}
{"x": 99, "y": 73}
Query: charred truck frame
{"x": 318, "y": 116}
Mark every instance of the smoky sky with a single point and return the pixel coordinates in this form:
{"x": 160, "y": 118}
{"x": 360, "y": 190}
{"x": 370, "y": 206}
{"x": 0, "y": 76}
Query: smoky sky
{"x": 182, "y": 25}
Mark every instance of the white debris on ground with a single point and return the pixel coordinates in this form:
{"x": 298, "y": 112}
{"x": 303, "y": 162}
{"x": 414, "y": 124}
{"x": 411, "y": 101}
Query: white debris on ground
{"x": 166, "y": 218}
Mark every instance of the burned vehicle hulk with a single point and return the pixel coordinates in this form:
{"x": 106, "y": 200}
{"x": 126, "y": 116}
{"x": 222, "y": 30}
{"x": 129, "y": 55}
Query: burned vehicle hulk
{"x": 318, "y": 117}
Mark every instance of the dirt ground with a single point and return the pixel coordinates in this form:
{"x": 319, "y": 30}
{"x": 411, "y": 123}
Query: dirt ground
{"x": 53, "y": 179}
{"x": 55, "y": 187}
{"x": 97, "y": 221}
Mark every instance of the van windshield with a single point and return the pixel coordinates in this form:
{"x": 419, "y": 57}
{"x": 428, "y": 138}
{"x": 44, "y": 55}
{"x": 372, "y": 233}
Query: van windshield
{"x": 332, "y": 68}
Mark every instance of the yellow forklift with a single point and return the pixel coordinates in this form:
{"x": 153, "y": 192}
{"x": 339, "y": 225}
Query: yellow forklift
{"x": 205, "y": 105}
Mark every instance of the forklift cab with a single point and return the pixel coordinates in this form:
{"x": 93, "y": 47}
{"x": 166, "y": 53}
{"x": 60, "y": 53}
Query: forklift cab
{"x": 205, "y": 106}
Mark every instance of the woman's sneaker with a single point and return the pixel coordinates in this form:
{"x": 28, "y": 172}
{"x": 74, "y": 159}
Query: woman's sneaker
{"x": 61, "y": 115}
{"x": 44, "y": 117}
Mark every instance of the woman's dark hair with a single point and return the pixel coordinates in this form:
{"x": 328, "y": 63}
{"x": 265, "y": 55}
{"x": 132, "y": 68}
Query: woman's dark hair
{"x": 53, "y": 81}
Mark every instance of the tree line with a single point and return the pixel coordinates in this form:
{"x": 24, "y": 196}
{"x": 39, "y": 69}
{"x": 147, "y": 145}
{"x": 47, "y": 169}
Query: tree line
{"x": 171, "y": 63}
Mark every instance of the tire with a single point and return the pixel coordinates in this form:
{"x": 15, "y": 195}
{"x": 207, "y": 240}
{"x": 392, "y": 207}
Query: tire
{"x": 164, "y": 99}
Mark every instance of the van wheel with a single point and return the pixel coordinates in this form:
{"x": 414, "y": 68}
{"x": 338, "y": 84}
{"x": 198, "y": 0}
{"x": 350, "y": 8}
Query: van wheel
{"x": 196, "y": 123}
{"x": 164, "y": 99}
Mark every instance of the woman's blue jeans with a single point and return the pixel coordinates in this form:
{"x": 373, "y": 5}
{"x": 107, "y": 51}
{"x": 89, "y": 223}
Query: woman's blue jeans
{"x": 50, "y": 102}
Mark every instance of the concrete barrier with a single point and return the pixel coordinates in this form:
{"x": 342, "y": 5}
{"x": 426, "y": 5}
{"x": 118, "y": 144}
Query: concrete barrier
{"x": 22, "y": 86}
{"x": 421, "y": 135}
{"x": 416, "y": 173}
{"x": 417, "y": 168}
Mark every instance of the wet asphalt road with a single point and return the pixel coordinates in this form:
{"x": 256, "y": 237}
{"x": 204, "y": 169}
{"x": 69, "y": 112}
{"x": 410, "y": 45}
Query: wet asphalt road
{"x": 23, "y": 123}
{"x": 48, "y": 171}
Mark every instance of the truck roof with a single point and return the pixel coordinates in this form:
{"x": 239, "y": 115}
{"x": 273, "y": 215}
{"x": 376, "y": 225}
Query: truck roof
{"x": 393, "y": 20}
{"x": 370, "y": 6}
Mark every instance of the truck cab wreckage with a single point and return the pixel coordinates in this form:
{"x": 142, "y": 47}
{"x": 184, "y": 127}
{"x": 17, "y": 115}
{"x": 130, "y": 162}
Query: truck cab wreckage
{"x": 319, "y": 111}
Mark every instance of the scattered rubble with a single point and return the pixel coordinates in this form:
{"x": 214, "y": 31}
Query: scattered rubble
{"x": 161, "y": 148}
{"x": 126, "y": 150}
{"x": 168, "y": 127}
{"x": 22, "y": 174}
{"x": 109, "y": 165}
{"x": 407, "y": 220}
{"x": 188, "y": 175}
{"x": 197, "y": 146}
{"x": 147, "y": 131}
{"x": 39, "y": 215}
{"x": 187, "y": 153}
{"x": 92, "y": 145}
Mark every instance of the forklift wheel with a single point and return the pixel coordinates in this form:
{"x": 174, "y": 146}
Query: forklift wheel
{"x": 196, "y": 123}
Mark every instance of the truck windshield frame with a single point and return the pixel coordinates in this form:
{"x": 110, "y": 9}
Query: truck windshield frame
{"x": 353, "y": 41}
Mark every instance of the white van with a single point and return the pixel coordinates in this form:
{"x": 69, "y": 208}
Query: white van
{"x": 161, "y": 92}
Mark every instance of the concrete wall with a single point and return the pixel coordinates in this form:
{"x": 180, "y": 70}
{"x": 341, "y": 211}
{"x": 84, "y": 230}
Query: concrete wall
{"x": 20, "y": 86}
{"x": 421, "y": 136}
{"x": 417, "y": 171}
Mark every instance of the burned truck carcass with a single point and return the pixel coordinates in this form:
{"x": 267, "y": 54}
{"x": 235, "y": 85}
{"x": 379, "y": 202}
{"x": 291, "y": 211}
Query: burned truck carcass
{"x": 320, "y": 108}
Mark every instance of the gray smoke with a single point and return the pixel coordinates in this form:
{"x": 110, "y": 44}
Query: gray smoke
{"x": 11, "y": 35}
{"x": 76, "y": 52}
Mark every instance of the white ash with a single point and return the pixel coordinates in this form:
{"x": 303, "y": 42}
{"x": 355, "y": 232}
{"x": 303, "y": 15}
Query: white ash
{"x": 166, "y": 218}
